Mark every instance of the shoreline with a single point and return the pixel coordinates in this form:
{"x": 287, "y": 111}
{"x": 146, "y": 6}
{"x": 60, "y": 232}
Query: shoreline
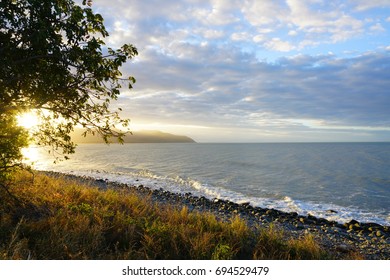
{"x": 370, "y": 240}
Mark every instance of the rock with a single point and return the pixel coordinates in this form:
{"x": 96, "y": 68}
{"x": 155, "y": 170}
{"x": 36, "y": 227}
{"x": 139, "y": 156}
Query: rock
{"x": 294, "y": 214}
{"x": 355, "y": 227}
{"x": 331, "y": 211}
{"x": 378, "y": 233}
{"x": 343, "y": 248}
{"x": 354, "y": 222}
{"x": 311, "y": 217}
{"x": 373, "y": 225}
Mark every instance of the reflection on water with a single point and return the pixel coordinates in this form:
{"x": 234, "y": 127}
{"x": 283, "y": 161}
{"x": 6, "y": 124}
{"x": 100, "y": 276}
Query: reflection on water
{"x": 31, "y": 155}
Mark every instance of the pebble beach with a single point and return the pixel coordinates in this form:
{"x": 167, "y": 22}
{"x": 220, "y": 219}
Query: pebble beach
{"x": 371, "y": 241}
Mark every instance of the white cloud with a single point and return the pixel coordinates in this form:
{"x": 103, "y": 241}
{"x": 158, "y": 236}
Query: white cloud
{"x": 198, "y": 64}
{"x": 210, "y": 33}
{"x": 241, "y": 36}
{"x": 278, "y": 45}
{"x": 259, "y": 38}
{"x": 362, "y": 5}
{"x": 345, "y": 27}
{"x": 305, "y": 43}
{"x": 260, "y": 13}
{"x": 335, "y": 23}
{"x": 292, "y": 33}
{"x": 377, "y": 28}
{"x": 247, "y": 21}
{"x": 303, "y": 17}
{"x": 314, "y": 20}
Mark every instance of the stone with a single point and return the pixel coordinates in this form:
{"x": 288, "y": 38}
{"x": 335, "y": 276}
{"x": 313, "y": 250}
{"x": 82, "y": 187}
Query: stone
{"x": 343, "y": 248}
{"x": 323, "y": 221}
{"x": 352, "y": 227}
{"x": 354, "y": 222}
{"x": 311, "y": 217}
{"x": 294, "y": 214}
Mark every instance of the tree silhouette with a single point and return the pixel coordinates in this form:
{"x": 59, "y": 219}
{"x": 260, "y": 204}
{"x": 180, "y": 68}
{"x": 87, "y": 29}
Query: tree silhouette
{"x": 53, "y": 58}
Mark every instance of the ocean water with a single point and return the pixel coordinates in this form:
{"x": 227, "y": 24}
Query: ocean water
{"x": 351, "y": 179}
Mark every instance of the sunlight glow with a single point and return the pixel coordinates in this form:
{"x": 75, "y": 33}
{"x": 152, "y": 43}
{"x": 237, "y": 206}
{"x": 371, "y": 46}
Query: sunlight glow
{"x": 31, "y": 154}
{"x": 28, "y": 120}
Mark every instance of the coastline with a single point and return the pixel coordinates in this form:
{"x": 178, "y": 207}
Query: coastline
{"x": 370, "y": 240}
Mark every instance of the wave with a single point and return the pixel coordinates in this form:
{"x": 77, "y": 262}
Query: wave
{"x": 178, "y": 184}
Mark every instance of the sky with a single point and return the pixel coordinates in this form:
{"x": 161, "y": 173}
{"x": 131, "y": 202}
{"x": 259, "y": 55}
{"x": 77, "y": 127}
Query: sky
{"x": 256, "y": 71}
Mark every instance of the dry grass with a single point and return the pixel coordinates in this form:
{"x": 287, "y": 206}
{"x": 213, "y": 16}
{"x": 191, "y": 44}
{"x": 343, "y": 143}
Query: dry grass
{"x": 60, "y": 219}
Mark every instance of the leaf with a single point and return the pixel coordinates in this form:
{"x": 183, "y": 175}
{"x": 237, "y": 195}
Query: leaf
{"x": 60, "y": 69}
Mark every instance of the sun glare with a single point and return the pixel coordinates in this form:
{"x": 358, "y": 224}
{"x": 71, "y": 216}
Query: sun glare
{"x": 30, "y": 154}
{"x": 28, "y": 120}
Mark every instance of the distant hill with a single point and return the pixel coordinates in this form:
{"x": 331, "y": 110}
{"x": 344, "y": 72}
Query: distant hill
{"x": 146, "y": 136}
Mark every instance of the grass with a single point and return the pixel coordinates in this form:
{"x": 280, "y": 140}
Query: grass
{"x": 55, "y": 218}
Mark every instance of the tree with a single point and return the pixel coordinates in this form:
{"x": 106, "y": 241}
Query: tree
{"x": 12, "y": 138}
{"x": 53, "y": 59}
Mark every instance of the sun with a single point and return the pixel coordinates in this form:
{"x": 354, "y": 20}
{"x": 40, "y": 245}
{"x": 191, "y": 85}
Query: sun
{"x": 28, "y": 120}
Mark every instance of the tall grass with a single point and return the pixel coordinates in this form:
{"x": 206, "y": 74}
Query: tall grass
{"x": 55, "y": 218}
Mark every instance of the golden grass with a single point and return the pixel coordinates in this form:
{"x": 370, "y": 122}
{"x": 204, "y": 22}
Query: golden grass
{"x": 55, "y": 218}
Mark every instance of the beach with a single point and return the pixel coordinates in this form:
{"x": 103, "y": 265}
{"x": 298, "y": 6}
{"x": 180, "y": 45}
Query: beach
{"x": 335, "y": 181}
{"x": 369, "y": 240}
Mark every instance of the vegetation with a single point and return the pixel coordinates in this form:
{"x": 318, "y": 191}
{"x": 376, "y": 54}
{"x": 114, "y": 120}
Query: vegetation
{"x": 51, "y": 218}
{"x": 53, "y": 60}
{"x": 12, "y": 139}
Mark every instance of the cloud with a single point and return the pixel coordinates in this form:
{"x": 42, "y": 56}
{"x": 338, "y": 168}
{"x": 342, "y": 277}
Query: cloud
{"x": 260, "y": 13}
{"x": 232, "y": 89}
{"x": 362, "y": 5}
{"x": 278, "y": 45}
{"x": 292, "y": 33}
{"x": 377, "y": 28}
{"x": 309, "y": 22}
{"x": 245, "y": 65}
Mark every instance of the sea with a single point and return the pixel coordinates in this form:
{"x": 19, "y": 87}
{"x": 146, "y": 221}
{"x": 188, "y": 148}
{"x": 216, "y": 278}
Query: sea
{"x": 336, "y": 181}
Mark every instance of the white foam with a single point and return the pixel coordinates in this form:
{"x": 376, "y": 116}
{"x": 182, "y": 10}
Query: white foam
{"x": 183, "y": 185}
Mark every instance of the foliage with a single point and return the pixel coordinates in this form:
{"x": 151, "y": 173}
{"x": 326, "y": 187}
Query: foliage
{"x": 61, "y": 219}
{"x": 12, "y": 139}
{"x": 53, "y": 59}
